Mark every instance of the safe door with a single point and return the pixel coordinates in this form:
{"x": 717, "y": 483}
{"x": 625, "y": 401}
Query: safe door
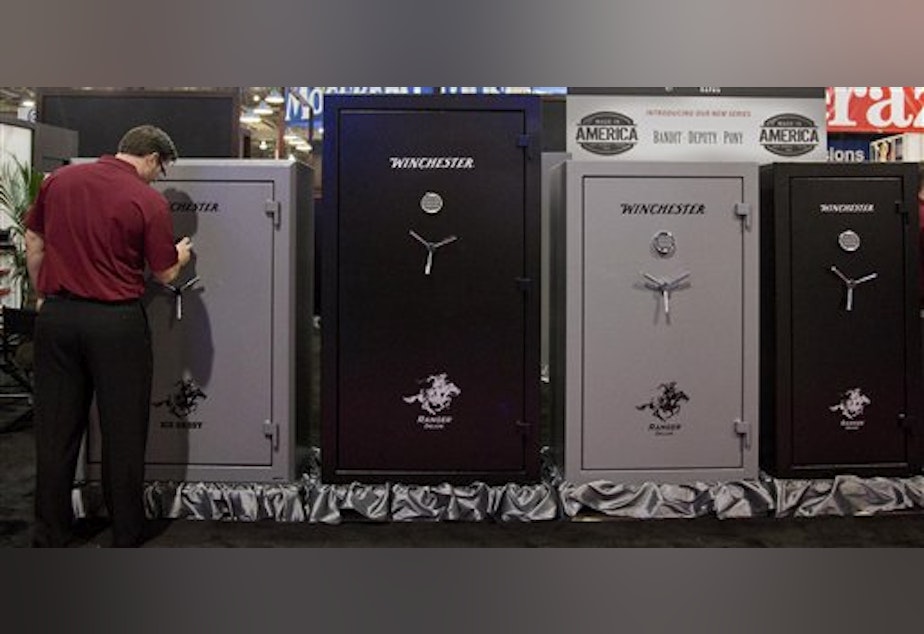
{"x": 431, "y": 302}
{"x": 662, "y": 322}
{"x": 212, "y": 334}
{"x": 846, "y": 312}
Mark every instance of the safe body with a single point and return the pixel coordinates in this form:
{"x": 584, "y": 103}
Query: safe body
{"x": 841, "y": 344}
{"x": 430, "y": 289}
{"x": 656, "y": 358}
{"x": 550, "y": 197}
{"x": 226, "y": 331}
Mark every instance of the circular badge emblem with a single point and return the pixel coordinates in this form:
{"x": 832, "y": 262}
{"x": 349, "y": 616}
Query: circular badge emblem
{"x": 849, "y": 241}
{"x": 431, "y": 203}
{"x": 607, "y": 133}
{"x": 664, "y": 244}
{"x": 789, "y": 134}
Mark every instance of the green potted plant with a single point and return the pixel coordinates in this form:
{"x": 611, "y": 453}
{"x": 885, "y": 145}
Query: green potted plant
{"x": 19, "y": 185}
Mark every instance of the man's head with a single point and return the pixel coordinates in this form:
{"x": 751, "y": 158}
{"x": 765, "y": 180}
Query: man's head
{"x": 152, "y": 149}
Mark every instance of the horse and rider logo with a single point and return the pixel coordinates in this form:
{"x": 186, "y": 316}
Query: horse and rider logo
{"x": 184, "y": 400}
{"x": 436, "y": 396}
{"x": 666, "y": 404}
{"x": 853, "y": 404}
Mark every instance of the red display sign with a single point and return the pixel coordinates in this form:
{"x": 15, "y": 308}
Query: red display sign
{"x": 867, "y": 109}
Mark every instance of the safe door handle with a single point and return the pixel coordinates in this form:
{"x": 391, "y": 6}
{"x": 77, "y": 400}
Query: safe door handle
{"x": 851, "y": 284}
{"x": 178, "y": 294}
{"x": 665, "y": 287}
{"x": 431, "y": 248}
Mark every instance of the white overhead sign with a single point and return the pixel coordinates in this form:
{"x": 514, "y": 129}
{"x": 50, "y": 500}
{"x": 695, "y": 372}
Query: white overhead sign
{"x": 698, "y": 124}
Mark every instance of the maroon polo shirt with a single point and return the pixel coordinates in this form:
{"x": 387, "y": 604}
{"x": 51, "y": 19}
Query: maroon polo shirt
{"x": 101, "y": 223}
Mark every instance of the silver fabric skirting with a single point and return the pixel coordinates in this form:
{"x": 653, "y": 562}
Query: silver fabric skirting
{"x": 310, "y": 500}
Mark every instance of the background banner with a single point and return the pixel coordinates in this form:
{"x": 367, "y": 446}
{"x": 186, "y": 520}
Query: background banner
{"x": 697, "y": 124}
{"x": 867, "y": 109}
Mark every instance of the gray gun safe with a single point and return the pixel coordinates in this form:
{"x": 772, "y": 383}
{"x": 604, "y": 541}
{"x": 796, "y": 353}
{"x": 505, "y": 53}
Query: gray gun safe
{"x": 656, "y": 337}
{"x": 430, "y": 289}
{"x": 226, "y": 332}
{"x": 841, "y": 357}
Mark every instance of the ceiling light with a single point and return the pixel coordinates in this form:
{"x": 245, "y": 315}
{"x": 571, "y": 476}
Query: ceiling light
{"x": 263, "y": 108}
{"x": 249, "y": 116}
{"x": 275, "y": 97}
{"x": 28, "y": 103}
{"x": 263, "y": 144}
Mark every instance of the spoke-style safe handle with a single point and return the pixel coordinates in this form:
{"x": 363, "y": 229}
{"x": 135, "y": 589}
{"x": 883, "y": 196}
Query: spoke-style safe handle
{"x": 852, "y": 284}
{"x": 431, "y": 247}
{"x": 178, "y": 295}
{"x": 665, "y": 287}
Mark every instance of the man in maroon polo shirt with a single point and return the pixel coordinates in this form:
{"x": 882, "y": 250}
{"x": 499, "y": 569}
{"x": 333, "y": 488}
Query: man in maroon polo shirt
{"x": 90, "y": 233}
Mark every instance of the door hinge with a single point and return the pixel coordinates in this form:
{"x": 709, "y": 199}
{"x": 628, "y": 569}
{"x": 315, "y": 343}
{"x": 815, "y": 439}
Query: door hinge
{"x": 271, "y": 431}
{"x": 526, "y": 142}
{"x": 743, "y": 429}
{"x": 743, "y": 211}
{"x": 273, "y": 209}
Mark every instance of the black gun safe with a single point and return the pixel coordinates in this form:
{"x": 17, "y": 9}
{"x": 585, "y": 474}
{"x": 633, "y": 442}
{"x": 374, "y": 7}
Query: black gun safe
{"x": 430, "y": 301}
{"x": 840, "y": 345}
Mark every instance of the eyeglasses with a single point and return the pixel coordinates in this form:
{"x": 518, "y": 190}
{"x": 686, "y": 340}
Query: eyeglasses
{"x": 162, "y": 164}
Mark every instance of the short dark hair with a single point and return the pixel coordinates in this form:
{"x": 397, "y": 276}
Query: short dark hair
{"x": 144, "y": 139}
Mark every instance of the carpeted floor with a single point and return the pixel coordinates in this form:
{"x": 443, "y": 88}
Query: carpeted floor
{"x": 17, "y": 482}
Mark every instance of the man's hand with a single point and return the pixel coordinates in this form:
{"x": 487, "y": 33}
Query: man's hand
{"x": 183, "y": 254}
{"x": 184, "y": 250}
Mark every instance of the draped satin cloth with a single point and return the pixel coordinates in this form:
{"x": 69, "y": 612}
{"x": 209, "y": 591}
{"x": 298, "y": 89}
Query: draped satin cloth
{"x": 310, "y": 500}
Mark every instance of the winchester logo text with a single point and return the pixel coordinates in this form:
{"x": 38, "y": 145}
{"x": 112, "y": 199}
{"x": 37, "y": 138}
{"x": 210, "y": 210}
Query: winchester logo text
{"x": 432, "y": 162}
{"x": 667, "y": 209}
{"x": 851, "y": 208}
{"x": 194, "y": 207}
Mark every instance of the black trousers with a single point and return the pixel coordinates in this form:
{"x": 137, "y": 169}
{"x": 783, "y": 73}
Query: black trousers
{"x": 82, "y": 349}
